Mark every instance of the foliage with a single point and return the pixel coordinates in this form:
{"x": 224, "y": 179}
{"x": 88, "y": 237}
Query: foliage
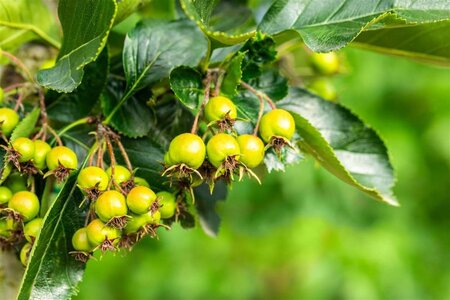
{"x": 155, "y": 82}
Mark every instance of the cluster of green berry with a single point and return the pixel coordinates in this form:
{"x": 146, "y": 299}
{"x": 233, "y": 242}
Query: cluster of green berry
{"x": 226, "y": 153}
{"x": 123, "y": 209}
{"x": 20, "y": 207}
{"x": 324, "y": 65}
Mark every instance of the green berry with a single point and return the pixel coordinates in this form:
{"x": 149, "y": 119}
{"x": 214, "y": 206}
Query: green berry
{"x": 26, "y": 204}
{"x": 80, "y": 241}
{"x": 140, "y": 199}
{"x": 121, "y": 174}
{"x": 32, "y": 229}
{"x": 25, "y": 147}
{"x": 5, "y": 194}
{"x": 109, "y": 205}
{"x": 8, "y": 120}
{"x": 168, "y": 204}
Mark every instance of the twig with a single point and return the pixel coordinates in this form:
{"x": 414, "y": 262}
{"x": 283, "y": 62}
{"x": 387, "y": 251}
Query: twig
{"x": 14, "y": 86}
{"x": 260, "y": 114}
{"x": 205, "y": 100}
{"x": 218, "y": 82}
{"x": 55, "y": 134}
{"x": 19, "y": 63}
{"x": 258, "y": 93}
{"x": 124, "y": 155}
{"x": 19, "y": 103}
{"x": 100, "y": 155}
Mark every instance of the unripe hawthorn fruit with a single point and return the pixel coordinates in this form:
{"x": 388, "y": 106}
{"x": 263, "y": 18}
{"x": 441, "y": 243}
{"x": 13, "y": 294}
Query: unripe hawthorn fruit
{"x": 324, "y": 88}
{"x": 325, "y": 63}
{"x": 16, "y": 182}
{"x": 153, "y": 217}
{"x": 92, "y": 177}
{"x": 80, "y": 241}
{"x": 25, "y": 147}
{"x": 188, "y": 149}
{"x": 121, "y": 174}
{"x": 25, "y": 254}
{"x": 61, "y": 156}
{"x": 252, "y": 150}
{"x": 135, "y": 223}
{"x": 41, "y": 149}
{"x": 26, "y": 204}
{"x": 97, "y": 232}
{"x": 220, "y": 147}
{"x": 218, "y": 107}
{"x": 8, "y": 120}
{"x": 139, "y": 181}
{"x": 140, "y": 199}
{"x": 110, "y": 204}
{"x": 32, "y": 229}
{"x": 167, "y": 204}
{"x": 277, "y": 122}
{"x": 5, "y": 194}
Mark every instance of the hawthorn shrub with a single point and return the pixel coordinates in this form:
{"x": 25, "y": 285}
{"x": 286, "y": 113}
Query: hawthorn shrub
{"x": 136, "y": 116}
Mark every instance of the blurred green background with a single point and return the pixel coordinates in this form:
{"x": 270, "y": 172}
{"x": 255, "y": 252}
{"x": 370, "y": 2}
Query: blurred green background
{"x": 303, "y": 233}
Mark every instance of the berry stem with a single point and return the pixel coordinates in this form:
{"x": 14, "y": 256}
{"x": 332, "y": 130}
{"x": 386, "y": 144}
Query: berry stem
{"x": 258, "y": 93}
{"x": 14, "y": 86}
{"x": 19, "y": 63}
{"x": 44, "y": 120}
{"x": 124, "y": 155}
{"x": 260, "y": 114}
{"x": 205, "y": 100}
{"x": 218, "y": 81}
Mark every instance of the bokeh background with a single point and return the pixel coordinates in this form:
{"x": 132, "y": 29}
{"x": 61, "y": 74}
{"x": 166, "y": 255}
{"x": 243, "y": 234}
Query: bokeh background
{"x": 304, "y": 234}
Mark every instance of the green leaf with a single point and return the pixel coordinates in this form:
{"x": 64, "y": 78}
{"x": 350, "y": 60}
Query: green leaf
{"x": 417, "y": 46}
{"x": 205, "y": 204}
{"x": 133, "y": 117}
{"x": 25, "y": 20}
{"x": 278, "y": 162}
{"x": 83, "y": 41}
{"x": 260, "y": 51}
{"x": 67, "y": 108}
{"x": 52, "y": 273}
{"x": 331, "y": 24}
{"x": 27, "y": 125}
{"x": 342, "y": 143}
{"x": 225, "y": 22}
{"x": 233, "y": 75}
{"x": 187, "y": 84}
{"x": 147, "y": 155}
{"x": 155, "y": 47}
{"x": 126, "y": 7}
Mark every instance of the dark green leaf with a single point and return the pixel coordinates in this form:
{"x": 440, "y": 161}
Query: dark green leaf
{"x": 342, "y": 144}
{"x": 278, "y": 162}
{"x": 126, "y": 7}
{"x": 52, "y": 273}
{"x": 225, "y": 22}
{"x": 147, "y": 155}
{"x": 133, "y": 117}
{"x": 27, "y": 125}
{"x": 187, "y": 85}
{"x": 205, "y": 203}
{"x": 330, "y": 24}
{"x": 83, "y": 41}
{"x": 24, "y": 20}
{"x": 67, "y": 108}
{"x": 154, "y": 48}
{"x": 418, "y": 44}
{"x": 233, "y": 75}
{"x": 260, "y": 51}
